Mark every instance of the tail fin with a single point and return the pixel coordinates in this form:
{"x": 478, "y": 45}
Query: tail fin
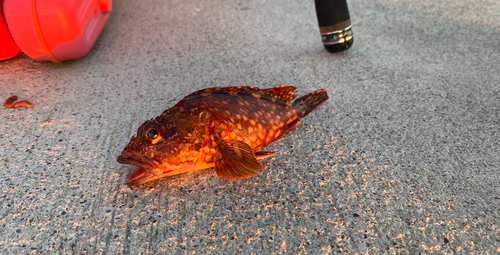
{"x": 306, "y": 104}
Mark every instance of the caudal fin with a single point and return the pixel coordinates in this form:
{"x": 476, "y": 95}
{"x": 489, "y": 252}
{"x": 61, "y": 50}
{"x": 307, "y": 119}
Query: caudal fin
{"x": 306, "y": 104}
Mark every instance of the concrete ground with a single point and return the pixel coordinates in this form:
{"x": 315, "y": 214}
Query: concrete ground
{"x": 403, "y": 159}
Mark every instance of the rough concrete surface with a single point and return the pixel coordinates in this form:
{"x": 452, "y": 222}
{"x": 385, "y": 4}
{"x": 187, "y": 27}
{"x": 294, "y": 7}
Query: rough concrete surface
{"x": 403, "y": 159}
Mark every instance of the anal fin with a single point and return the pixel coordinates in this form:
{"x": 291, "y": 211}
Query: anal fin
{"x": 264, "y": 154}
{"x": 288, "y": 129}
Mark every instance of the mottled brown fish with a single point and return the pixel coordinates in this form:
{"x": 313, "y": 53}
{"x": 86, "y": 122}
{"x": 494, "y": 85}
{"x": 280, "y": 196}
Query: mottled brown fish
{"x": 217, "y": 127}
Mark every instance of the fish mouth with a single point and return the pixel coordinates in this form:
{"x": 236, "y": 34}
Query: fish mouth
{"x": 151, "y": 168}
{"x": 140, "y": 176}
{"x": 135, "y": 160}
{"x": 145, "y": 171}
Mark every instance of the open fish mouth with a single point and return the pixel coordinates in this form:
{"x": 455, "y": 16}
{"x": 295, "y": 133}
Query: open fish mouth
{"x": 140, "y": 176}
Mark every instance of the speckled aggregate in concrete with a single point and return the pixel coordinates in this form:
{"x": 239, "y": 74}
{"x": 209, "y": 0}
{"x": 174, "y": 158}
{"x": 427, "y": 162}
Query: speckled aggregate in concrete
{"x": 404, "y": 158}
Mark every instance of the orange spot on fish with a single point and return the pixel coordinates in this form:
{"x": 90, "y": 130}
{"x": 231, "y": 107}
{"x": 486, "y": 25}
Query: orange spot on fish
{"x": 262, "y": 135}
{"x": 253, "y": 138}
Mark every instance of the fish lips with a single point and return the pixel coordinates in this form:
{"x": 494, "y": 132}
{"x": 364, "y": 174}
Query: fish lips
{"x": 134, "y": 159}
{"x": 143, "y": 173}
{"x": 140, "y": 176}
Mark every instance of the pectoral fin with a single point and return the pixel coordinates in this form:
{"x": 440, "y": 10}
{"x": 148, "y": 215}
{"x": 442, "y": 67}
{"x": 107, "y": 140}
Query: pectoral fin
{"x": 235, "y": 160}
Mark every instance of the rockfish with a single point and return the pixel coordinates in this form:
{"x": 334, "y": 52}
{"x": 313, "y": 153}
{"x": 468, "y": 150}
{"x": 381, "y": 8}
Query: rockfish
{"x": 217, "y": 127}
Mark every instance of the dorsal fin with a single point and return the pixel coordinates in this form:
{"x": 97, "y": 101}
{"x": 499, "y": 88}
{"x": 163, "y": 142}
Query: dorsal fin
{"x": 221, "y": 90}
{"x": 282, "y": 94}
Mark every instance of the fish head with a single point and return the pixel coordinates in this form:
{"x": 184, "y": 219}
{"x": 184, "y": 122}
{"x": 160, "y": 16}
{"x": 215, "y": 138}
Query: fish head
{"x": 155, "y": 150}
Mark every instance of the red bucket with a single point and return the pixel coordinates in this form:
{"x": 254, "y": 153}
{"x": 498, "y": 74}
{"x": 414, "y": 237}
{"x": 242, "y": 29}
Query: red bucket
{"x": 55, "y": 30}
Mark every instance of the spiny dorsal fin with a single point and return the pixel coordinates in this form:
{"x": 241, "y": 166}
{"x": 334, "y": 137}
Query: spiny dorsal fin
{"x": 282, "y": 94}
{"x": 221, "y": 90}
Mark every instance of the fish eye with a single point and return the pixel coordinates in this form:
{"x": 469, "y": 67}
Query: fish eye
{"x": 153, "y": 133}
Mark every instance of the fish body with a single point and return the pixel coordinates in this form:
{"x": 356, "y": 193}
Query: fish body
{"x": 217, "y": 127}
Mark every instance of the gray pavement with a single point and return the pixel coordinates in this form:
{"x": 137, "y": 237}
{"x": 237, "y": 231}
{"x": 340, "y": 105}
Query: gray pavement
{"x": 403, "y": 159}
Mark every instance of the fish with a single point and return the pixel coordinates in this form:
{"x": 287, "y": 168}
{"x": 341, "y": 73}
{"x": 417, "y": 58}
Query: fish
{"x": 221, "y": 127}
